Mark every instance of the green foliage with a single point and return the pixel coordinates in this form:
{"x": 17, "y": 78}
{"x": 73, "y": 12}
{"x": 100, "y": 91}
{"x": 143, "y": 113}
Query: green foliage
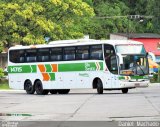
{"x": 102, "y": 27}
{"x": 1, "y": 73}
{"x": 29, "y": 22}
{"x": 4, "y": 84}
{"x": 154, "y": 11}
{"x": 145, "y": 8}
{"x": 155, "y": 77}
{"x": 1, "y": 47}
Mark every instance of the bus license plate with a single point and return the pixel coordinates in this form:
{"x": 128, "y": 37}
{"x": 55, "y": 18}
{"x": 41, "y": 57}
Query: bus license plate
{"x": 137, "y": 84}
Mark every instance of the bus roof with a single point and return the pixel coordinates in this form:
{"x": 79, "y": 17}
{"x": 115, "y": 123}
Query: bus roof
{"x": 62, "y": 43}
{"x": 120, "y": 42}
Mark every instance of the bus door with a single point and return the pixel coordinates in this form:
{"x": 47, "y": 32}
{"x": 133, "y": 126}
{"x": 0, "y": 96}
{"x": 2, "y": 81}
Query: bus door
{"x": 114, "y": 72}
{"x": 112, "y": 66}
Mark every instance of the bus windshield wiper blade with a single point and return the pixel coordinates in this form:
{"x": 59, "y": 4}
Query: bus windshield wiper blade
{"x": 140, "y": 68}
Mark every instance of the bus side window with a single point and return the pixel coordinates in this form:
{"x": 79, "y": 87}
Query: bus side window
{"x": 69, "y": 53}
{"x": 96, "y": 52}
{"x": 43, "y": 55}
{"x": 14, "y": 56}
{"x": 17, "y": 56}
{"x": 22, "y": 56}
{"x": 82, "y": 53}
{"x": 56, "y": 54}
{"x": 31, "y": 55}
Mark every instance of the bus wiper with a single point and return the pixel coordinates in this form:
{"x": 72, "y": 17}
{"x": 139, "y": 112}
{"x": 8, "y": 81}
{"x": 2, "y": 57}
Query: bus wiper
{"x": 136, "y": 66}
{"x": 141, "y": 69}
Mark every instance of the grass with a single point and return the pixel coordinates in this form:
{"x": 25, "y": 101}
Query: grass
{"x": 4, "y": 84}
{"x": 153, "y": 81}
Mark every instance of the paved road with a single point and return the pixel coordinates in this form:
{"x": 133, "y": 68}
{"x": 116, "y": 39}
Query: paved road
{"x": 82, "y": 105}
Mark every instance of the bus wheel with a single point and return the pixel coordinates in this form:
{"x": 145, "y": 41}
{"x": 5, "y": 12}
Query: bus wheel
{"x": 99, "y": 87}
{"x": 45, "y": 92}
{"x": 125, "y": 90}
{"x": 28, "y": 87}
{"x": 39, "y": 88}
{"x": 63, "y": 91}
{"x": 53, "y": 91}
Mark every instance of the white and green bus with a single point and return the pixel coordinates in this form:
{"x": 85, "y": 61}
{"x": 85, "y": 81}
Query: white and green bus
{"x": 60, "y": 66}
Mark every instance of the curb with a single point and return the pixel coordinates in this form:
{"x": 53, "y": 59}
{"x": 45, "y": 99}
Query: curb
{"x": 154, "y": 84}
{"x": 10, "y": 90}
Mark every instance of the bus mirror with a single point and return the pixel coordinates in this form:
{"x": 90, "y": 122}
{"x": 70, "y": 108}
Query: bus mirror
{"x": 146, "y": 53}
{"x": 151, "y": 56}
{"x": 120, "y": 58}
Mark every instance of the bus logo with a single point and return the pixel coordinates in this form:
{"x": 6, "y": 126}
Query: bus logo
{"x": 88, "y": 67}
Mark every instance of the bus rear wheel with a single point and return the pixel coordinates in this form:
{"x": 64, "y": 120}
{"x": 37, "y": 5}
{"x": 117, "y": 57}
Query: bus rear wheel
{"x": 63, "y": 91}
{"x": 99, "y": 87}
{"x": 39, "y": 88}
{"x": 29, "y": 87}
{"x": 125, "y": 90}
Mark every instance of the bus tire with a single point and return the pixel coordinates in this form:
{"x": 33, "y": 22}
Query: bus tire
{"x": 63, "y": 91}
{"x": 99, "y": 87}
{"x": 29, "y": 87}
{"x": 53, "y": 91}
{"x": 125, "y": 90}
{"x": 39, "y": 88}
{"x": 45, "y": 92}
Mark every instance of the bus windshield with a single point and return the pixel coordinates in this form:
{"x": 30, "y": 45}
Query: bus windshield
{"x": 130, "y": 49}
{"x": 134, "y": 65}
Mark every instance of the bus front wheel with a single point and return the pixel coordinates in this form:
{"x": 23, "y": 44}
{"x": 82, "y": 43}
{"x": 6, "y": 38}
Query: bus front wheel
{"x": 99, "y": 87}
{"x": 39, "y": 88}
{"x": 125, "y": 90}
{"x": 28, "y": 87}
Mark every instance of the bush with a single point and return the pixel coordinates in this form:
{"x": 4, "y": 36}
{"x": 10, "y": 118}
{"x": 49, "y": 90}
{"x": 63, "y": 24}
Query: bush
{"x": 4, "y": 84}
{"x": 1, "y": 73}
{"x": 155, "y": 77}
{"x": 158, "y": 75}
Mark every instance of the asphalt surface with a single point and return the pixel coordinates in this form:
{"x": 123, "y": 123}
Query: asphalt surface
{"x": 142, "y": 104}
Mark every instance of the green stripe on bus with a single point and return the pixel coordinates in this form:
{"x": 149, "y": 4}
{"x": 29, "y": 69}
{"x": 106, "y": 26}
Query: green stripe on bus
{"x": 34, "y": 68}
{"x": 90, "y": 66}
{"x": 71, "y": 67}
{"x": 67, "y": 67}
{"x": 101, "y": 65}
{"x": 52, "y": 76}
{"x": 133, "y": 77}
{"x": 48, "y": 67}
{"x": 22, "y": 69}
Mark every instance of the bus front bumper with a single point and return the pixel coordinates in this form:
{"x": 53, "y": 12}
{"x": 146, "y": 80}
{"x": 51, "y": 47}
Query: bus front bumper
{"x": 124, "y": 84}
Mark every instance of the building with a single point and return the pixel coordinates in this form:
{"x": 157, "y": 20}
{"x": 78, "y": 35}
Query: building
{"x": 151, "y": 41}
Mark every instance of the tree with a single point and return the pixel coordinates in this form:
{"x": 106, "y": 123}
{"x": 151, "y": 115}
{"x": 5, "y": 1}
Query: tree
{"x": 1, "y": 47}
{"x": 145, "y": 8}
{"x": 29, "y": 22}
{"x": 154, "y": 10}
{"x": 1, "y": 73}
{"x": 108, "y": 18}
